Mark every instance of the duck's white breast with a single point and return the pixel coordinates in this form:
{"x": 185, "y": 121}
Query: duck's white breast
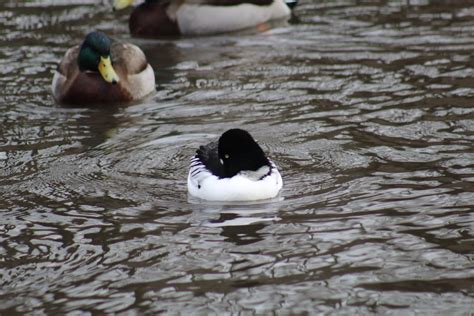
{"x": 143, "y": 83}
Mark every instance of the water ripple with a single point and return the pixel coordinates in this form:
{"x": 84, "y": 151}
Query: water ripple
{"x": 365, "y": 107}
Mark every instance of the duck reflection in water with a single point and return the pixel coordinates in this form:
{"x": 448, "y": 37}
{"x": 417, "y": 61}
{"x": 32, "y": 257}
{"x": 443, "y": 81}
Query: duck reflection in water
{"x": 241, "y": 230}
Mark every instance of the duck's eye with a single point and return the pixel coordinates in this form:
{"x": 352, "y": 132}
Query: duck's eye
{"x": 226, "y": 156}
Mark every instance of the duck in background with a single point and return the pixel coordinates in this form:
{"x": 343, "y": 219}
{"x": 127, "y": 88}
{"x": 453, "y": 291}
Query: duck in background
{"x": 234, "y": 168}
{"x": 102, "y": 71}
{"x": 155, "y": 18}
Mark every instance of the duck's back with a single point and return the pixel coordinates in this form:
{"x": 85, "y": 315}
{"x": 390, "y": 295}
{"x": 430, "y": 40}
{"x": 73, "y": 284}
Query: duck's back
{"x": 208, "y": 156}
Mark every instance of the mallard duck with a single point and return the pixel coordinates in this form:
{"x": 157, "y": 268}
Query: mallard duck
{"x": 102, "y": 71}
{"x": 234, "y": 168}
{"x": 155, "y": 18}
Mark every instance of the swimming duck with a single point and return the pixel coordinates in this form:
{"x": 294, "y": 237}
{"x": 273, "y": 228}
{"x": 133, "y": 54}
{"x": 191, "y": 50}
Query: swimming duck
{"x": 234, "y": 168}
{"x": 154, "y": 18}
{"x": 102, "y": 71}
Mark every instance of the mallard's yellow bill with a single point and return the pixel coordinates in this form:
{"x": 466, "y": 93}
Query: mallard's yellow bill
{"x": 122, "y": 4}
{"x": 107, "y": 71}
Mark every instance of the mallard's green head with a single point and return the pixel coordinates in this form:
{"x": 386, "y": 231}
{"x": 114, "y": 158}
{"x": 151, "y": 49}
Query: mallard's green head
{"x": 95, "y": 56}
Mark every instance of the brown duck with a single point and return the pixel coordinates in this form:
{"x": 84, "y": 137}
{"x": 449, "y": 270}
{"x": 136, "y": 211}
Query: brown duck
{"x": 102, "y": 71}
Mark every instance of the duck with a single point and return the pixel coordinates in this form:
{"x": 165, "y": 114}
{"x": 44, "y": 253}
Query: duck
{"x": 233, "y": 168}
{"x": 100, "y": 71}
{"x": 156, "y": 18}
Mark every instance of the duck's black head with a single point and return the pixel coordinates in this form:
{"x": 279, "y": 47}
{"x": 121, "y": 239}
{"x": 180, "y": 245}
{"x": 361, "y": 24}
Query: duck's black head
{"x": 94, "y": 55}
{"x": 238, "y": 151}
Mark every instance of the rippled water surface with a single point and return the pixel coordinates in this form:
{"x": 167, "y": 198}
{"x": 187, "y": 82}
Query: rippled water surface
{"x": 366, "y": 106}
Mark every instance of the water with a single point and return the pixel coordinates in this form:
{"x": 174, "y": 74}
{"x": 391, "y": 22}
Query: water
{"x": 366, "y": 106}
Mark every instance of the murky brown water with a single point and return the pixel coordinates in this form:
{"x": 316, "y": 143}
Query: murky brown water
{"x": 367, "y": 107}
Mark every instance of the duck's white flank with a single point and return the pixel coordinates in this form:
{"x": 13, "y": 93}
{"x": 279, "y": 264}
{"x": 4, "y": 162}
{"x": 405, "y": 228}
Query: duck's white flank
{"x": 245, "y": 186}
{"x": 195, "y": 19}
{"x": 142, "y": 83}
{"x": 58, "y": 80}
